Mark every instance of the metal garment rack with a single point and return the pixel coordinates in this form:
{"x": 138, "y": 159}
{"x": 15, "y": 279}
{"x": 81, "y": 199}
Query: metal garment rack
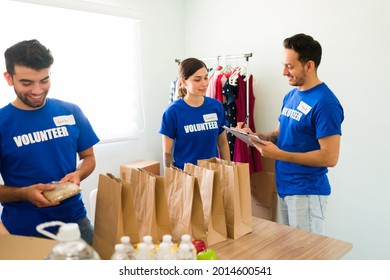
{"x": 224, "y": 57}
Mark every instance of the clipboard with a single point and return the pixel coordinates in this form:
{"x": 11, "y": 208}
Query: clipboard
{"x": 243, "y": 135}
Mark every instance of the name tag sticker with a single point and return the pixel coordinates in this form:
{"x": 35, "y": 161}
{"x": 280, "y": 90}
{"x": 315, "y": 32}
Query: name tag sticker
{"x": 64, "y": 120}
{"x": 210, "y": 117}
{"x": 304, "y": 108}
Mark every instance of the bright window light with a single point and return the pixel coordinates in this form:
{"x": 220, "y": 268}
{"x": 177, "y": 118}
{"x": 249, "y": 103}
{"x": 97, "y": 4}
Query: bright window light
{"x": 96, "y": 62}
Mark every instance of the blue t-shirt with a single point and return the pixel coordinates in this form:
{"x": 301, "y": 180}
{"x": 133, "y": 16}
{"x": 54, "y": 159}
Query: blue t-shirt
{"x": 41, "y": 146}
{"x": 306, "y": 116}
{"x": 195, "y": 130}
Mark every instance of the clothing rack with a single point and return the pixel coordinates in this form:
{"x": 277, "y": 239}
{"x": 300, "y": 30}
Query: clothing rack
{"x": 220, "y": 57}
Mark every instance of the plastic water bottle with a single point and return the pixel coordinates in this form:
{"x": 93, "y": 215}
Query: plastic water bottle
{"x": 163, "y": 252}
{"x": 70, "y": 246}
{"x": 185, "y": 252}
{"x": 129, "y": 249}
{"x": 167, "y": 239}
{"x": 147, "y": 239}
{"x": 186, "y": 249}
{"x": 143, "y": 252}
{"x": 120, "y": 252}
{"x": 186, "y": 239}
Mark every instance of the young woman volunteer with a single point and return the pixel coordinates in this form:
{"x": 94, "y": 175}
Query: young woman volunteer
{"x": 191, "y": 126}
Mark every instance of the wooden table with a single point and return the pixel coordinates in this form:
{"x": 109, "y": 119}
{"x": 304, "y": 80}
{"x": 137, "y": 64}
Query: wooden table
{"x": 267, "y": 241}
{"x": 272, "y": 241}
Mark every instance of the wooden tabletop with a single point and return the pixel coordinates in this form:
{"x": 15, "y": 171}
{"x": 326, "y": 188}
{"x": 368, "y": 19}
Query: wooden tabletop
{"x": 272, "y": 241}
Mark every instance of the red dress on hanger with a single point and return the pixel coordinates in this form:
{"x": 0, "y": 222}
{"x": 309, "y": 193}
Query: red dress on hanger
{"x": 243, "y": 153}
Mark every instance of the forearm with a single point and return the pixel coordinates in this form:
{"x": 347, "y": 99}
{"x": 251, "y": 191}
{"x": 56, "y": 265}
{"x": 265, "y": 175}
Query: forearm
{"x": 313, "y": 158}
{"x": 326, "y": 156}
{"x": 168, "y": 160}
{"x": 3, "y": 230}
{"x": 224, "y": 152}
{"x": 86, "y": 167}
{"x": 271, "y": 136}
{"x": 33, "y": 193}
{"x": 223, "y": 146}
{"x": 12, "y": 194}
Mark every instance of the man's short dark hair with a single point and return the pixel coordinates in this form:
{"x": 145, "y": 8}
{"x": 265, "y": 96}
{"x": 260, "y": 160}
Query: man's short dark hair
{"x": 306, "y": 47}
{"x": 29, "y": 53}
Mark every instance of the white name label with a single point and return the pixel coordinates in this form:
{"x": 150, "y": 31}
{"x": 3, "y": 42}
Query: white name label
{"x": 64, "y": 120}
{"x": 210, "y": 117}
{"x": 304, "y": 108}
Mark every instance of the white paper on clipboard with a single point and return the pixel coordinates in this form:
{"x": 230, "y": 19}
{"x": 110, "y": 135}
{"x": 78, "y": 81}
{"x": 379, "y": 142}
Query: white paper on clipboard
{"x": 243, "y": 135}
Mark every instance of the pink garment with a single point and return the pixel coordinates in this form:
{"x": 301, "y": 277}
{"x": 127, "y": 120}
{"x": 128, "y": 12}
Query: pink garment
{"x": 243, "y": 153}
{"x": 212, "y": 88}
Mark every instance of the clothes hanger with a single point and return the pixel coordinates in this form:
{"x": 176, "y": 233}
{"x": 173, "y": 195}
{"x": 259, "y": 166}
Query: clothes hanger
{"x": 233, "y": 77}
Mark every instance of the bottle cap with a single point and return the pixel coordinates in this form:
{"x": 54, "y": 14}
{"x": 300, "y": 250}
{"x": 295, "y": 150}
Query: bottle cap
{"x": 167, "y": 238}
{"x": 186, "y": 237}
{"x": 125, "y": 239}
{"x": 69, "y": 232}
{"x": 147, "y": 239}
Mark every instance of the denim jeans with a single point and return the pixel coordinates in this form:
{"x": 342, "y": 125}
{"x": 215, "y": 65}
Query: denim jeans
{"x": 86, "y": 230}
{"x": 305, "y": 212}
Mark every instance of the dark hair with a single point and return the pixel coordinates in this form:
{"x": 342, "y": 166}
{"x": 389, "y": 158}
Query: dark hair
{"x": 29, "y": 53}
{"x": 186, "y": 69}
{"x": 306, "y": 47}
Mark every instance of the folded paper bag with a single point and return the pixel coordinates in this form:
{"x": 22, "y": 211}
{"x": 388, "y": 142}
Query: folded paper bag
{"x": 62, "y": 191}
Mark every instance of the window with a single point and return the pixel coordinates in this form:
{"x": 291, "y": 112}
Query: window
{"x": 96, "y": 62}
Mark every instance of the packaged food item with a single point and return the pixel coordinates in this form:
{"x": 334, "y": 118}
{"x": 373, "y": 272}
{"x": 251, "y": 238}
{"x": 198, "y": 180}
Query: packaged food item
{"x": 62, "y": 191}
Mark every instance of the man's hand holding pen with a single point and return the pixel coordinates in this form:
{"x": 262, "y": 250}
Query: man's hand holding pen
{"x": 244, "y": 126}
{"x": 269, "y": 150}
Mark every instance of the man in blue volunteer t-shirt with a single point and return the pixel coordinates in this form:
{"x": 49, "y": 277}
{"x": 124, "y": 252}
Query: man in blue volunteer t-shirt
{"x": 306, "y": 140}
{"x": 40, "y": 140}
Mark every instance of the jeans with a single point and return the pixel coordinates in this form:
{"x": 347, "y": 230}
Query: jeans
{"x": 86, "y": 230}
{"x": 305, "y": 212}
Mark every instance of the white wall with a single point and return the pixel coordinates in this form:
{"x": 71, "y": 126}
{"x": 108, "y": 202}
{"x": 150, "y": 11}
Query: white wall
{"x": 354, "y": 36}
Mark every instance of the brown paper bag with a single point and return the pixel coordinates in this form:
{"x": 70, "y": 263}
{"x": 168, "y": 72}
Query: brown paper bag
{"x": 150, "y": 203}
{"x": 212, "y": 201}
{"x": 236, "y": 192}
{"x": 185, "y": 204}
{"x": 114, "y": 215}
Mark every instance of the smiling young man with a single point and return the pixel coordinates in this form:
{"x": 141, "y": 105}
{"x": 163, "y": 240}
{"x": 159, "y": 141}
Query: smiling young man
{"x": 40, "y": 140}
{"x": 307, "y": 139}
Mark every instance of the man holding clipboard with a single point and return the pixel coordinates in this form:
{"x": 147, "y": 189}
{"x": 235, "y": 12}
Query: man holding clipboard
{"x": 244, "y": 135}
{"x": 306, "y": 140}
